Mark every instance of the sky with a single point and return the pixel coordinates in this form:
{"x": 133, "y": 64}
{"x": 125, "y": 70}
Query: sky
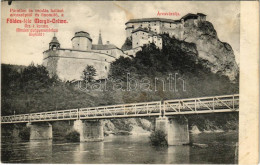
{"x": 109, "y": 17}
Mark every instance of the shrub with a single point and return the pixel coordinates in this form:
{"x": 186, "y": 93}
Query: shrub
{"x": 24, "y": 134}
{"x": 158, "y": 138}
{"x": 73, "y": 136}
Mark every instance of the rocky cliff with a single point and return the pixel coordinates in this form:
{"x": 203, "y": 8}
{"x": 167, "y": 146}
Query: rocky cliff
{"x": 219, "y": 56}
{"x": 201, "y": 41}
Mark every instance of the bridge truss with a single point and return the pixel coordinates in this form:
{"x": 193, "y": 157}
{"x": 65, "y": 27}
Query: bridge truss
{"x": 227, "y": 103}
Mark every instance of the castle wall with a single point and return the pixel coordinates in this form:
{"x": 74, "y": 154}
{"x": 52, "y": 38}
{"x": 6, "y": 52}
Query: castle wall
{"x": 109, "y": 51}
{"x": 69, "y": 64}
{"x": 155, "y": 26}
{"x": 157, "y": 41}
{"x": 176, "y": 32}
{"x": 129, "y": 32}
{"x": 51, "y": 62}
{"x": 190, "y": 22}
{"x": 202, "y": 18}
{"x": 132, "y": 52}
{"x": 116, "y": 53}
{"x": 169, "y": 25}
{"x": 81, "y": 43}
{"x": 173, "y": 29}
{"x": 139, "y": 38}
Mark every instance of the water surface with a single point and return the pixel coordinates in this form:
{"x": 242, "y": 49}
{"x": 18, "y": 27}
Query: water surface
{"x": 219, "y": 148}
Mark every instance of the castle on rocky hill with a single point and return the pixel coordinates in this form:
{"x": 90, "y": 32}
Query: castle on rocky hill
{"x": 148, "y": 30}
{"x": 69, "y": 64}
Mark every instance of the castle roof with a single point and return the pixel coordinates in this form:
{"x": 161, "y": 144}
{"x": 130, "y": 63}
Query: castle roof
{"x": 130, "y": 27}
{"x": 192, "y": 16}
{"x": 82, "y": 34}
{"x": 140, "y": 29}
{"x": 54, "y": 40}
{"x": 154, "y": 34}
{"x": 150, "y": 20}
{"x": 151, "y": 33}
{"x": 201, "y": 14}
{"x": 187, "y": 16}
{"x": 103, "y": 47}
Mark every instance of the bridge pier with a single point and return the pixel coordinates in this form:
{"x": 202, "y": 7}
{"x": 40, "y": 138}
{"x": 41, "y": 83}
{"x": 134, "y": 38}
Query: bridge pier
{"x": 40, "y": 131}
{"x": 175, "y": 128}
{"x": 90, "y": 131}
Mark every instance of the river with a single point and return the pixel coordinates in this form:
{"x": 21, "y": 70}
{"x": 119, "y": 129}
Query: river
{"x": 215, "y": 148}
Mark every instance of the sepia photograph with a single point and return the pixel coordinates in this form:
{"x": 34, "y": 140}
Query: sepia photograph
{"x": 120, "y": 82}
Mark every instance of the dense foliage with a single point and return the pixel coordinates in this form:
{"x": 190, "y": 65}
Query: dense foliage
{"x": 215, "y": 121}
{"x": 73, "y": 136}
{"x": 176, "y": 57}
{"x": 158, "y": 138}
{"x": 30, "y": 89}
{"x": 24, "y": 133}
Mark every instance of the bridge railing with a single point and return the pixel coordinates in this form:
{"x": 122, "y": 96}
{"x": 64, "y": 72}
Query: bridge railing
{"x": 42, "y": 116}
{"x": 227, "y": 103}
{"x": 123, "y": 110}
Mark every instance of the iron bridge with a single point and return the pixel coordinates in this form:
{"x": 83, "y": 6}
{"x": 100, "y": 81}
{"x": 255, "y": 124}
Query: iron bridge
{"x": 225, "y": 103}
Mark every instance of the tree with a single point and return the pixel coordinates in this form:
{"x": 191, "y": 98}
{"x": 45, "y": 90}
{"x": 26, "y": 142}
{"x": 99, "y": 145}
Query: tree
{"x": 89, "y": 73}
{"x": 121, "y": 67}
{"x": 158, "y": 138}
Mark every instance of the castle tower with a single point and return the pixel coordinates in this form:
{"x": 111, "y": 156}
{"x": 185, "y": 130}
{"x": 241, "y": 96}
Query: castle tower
{"x": 81, "y": 41}
{"x": 100, "y": 39}
{"x": 201, "y": 17}
{"x": 54, "y": 44}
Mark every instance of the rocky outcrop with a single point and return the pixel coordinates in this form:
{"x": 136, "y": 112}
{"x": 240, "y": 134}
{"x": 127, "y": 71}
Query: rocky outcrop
{"x": 207, "y": 123}
{"x": 219, "y": 56}
{"x": 128, "y": 124}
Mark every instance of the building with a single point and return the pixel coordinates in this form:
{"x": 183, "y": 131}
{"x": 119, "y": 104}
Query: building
{"x": 69, "y": 64}
{"x": 142, "y": 36}
{"x": 147, "y": 30}
{"x": 162, "y": 25}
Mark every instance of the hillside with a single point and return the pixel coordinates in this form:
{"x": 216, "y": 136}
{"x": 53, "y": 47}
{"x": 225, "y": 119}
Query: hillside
{"x": 176, "y": 57}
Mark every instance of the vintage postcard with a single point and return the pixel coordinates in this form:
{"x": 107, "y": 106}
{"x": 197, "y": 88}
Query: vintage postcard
{"x": 129, "y": 82}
